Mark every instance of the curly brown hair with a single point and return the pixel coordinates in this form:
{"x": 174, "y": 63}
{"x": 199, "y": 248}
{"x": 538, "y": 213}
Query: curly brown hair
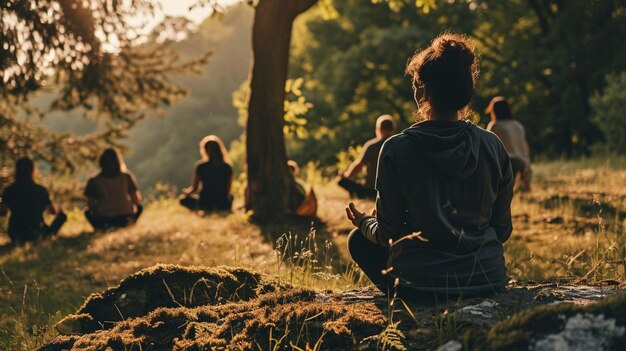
{"x": 448, "y": 71}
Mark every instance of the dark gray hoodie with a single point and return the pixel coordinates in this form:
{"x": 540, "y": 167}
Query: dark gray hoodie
{"x": 444, "y": 204}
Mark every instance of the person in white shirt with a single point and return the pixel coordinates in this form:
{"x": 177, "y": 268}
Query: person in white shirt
{"x": 513, "y": 136}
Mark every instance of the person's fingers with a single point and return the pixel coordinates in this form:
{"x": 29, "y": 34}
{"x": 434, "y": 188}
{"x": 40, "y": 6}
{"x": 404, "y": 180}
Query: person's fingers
{"x": 355, "y": 211}
{"x": 349, "y": 214}
{"x": 353, "y": 208}
{"x": 374, "y": 212}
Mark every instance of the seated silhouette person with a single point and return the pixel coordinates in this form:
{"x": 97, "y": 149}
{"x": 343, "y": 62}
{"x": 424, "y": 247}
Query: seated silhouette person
{"x": 368, "y": 159}
{"x": 302, "y": 202}
{"x": 211, "y": 180}
{"x": 27, "y": 201}
{"x": 113, "y": 198}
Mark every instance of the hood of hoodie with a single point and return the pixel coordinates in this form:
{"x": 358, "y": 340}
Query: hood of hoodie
{"x": 452, "y": 147}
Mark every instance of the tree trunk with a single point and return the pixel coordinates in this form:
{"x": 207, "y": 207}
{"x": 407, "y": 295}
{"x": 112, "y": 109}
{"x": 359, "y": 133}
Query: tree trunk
{"x": 269, "y": 180}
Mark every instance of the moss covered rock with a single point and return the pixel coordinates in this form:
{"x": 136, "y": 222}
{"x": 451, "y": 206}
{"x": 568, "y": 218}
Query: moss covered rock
{"x": 177, "y": 308}
{"x": 564, "y": 326}
{"x": 165, "y": 286}
{"x": 213, "y": 309}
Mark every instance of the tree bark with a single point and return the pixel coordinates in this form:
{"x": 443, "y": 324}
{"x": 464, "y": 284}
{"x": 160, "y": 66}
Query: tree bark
{"x": 269, "y": 180}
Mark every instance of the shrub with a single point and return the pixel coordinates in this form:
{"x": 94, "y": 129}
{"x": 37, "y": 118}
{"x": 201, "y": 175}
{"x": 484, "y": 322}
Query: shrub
{"x": 609, "y": 112}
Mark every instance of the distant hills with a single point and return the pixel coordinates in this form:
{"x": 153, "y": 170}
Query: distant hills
{"x": 166, "y": 148}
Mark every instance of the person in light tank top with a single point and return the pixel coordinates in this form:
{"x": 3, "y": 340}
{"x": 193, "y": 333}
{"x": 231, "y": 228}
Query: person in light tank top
{"x": 513, "y": 136}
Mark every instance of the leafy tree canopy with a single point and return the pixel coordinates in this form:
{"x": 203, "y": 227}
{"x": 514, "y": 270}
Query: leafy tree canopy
{"x": 548, "y": 57}
{"x": 95, "y": 56}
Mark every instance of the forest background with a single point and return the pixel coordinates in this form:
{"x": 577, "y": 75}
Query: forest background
{"x": 559, "y": 65}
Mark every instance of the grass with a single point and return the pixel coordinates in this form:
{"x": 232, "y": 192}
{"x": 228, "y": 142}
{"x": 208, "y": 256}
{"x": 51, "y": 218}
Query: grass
{"x": 570, "y": 228}
{"x": 572, "y": 225}
{"x": 43, "y": 282}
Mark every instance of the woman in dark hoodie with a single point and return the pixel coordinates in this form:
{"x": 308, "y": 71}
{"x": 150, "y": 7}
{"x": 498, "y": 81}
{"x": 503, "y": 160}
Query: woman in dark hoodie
{"x": 444, "y": 189}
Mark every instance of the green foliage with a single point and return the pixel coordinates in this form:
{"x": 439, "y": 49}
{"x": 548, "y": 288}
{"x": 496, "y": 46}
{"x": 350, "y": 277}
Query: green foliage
{"x": 547, "y": 57}
{"x": 353, "y": 67}
{"x": 94, "y": 59}
{"x": 396, "y": 5}
{"x": 166, "y": 148}
{"x": 296, "y": 105}
{"x": 347, "y": 156}
{"x": 608, "y": 112}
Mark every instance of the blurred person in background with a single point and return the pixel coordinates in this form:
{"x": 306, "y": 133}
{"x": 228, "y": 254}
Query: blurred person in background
{"x": 303, "y": 202}
{"x": 113, "y": 197}
{"x": 27, "y": 201}
{"x": 212, "y": 179}
{"x": 513, "y": 136}
{"x": 368, "y": 159}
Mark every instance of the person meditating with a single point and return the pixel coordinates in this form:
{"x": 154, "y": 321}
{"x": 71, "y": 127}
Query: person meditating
{"x": 444, "y": 190}
{"x": 302, "y": 202}
{"x": 113, "y": 197}
{"x": 27, "y": 202}
{"x": 513, "y": 136}
{"x": 368, "y": 159}
{"x": 213, "y": 177}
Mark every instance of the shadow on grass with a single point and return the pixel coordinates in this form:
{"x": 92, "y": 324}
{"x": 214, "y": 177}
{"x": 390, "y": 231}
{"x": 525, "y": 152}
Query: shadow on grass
{"x": 585, "y": 206}
{"x": 53, "y": 248}
{"x": 41, "y": 281}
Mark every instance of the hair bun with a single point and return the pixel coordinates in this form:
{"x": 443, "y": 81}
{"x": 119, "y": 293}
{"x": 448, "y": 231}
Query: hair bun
{"x": 454, "y": 50}
{"x": 448, "y": 69}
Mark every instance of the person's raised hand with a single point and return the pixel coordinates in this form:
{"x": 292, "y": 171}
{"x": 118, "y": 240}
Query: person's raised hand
{"x": 354, "y": 215}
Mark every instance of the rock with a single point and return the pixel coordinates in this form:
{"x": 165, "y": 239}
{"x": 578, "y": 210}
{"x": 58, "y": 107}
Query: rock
{"x": 582, "y": 332}
{"x": 165, "y": 286}
{"x": 192, "y": 308}
{"x": 474, "y": 313}
{"x": 451, "y": 345}
{"x": 488, "y": 311}
{"x": 562, "y": 326}
{"x": 250, "y": 315}
{"x": 580, "y": 294}
{"x": 484, "y": 313}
